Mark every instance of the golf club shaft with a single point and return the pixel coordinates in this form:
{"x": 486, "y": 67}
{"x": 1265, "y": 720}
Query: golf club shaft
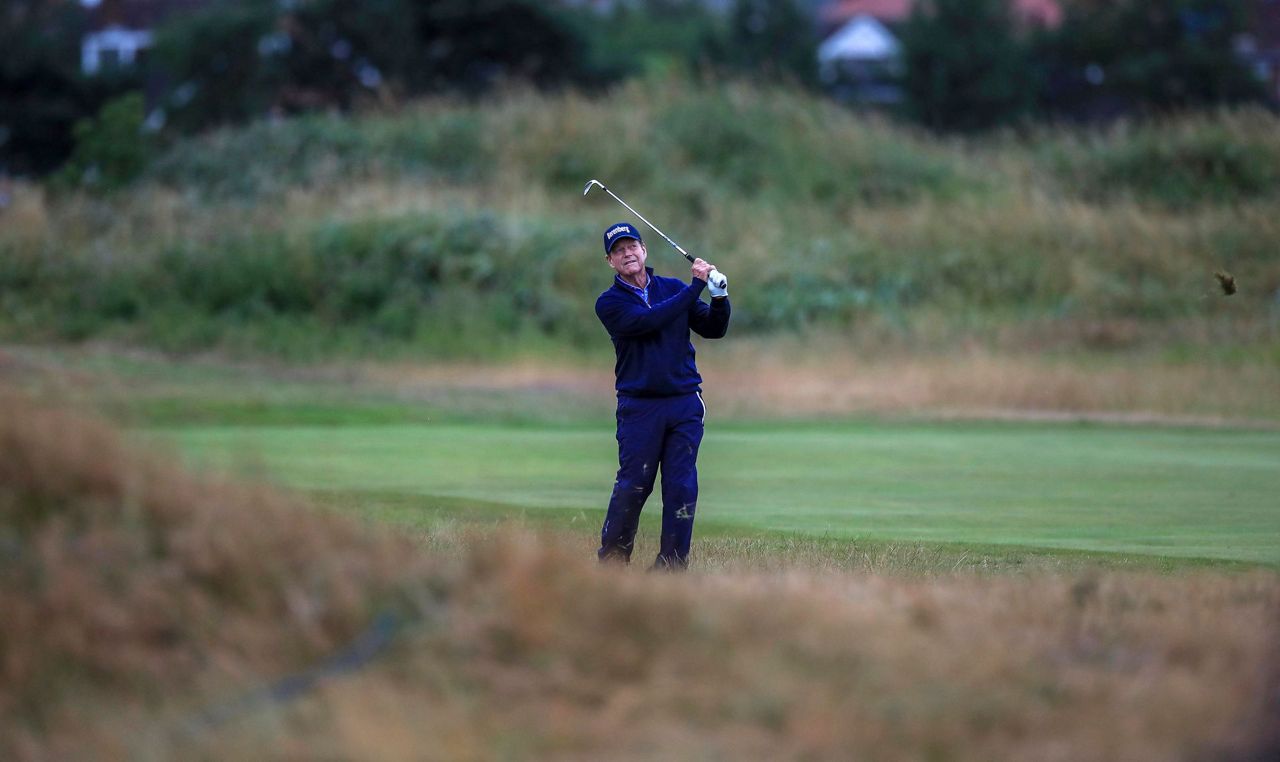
{"x": 714, "y": 277}
{"x": 677, "y": 246}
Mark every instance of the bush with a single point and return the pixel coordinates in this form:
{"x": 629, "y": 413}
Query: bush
{"x": 1137, "y": 56}
{"x": 1226, "y": 159}
{"x": 680, "y": 140}
{"x": 266, "y": 158}
{"x": 965, "y": 67}
{"x": 411, "y": 279}
{"x": 112, "y": 149}
{"x": 789, "y": 147}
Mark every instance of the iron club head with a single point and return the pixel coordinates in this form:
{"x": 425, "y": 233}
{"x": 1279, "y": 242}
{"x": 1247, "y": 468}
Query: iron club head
{"x": 590, "y": 183}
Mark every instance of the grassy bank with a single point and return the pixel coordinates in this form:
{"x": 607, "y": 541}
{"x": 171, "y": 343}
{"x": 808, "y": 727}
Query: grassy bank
{"x": 458, "y": 230}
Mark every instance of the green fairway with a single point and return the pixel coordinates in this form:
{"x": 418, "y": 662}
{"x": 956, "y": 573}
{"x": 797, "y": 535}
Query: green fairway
{"x": 1212, "y": 494}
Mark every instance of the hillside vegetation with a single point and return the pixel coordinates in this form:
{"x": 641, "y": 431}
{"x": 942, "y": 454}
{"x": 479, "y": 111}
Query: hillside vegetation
{"x": 458, "y": 229}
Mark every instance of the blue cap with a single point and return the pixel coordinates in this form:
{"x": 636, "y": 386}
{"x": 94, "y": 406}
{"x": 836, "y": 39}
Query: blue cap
{"x": 620, "y": 230}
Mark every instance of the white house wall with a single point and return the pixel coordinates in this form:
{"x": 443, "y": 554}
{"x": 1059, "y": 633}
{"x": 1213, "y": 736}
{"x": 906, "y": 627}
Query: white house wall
{"x": 125, "y": 42}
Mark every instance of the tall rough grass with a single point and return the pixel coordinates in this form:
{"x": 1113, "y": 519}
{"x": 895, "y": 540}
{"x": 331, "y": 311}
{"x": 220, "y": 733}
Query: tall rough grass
{"x": 127, "y": 584}
{"x": 435, "y": 229}
{"x": 138, "y": 597}
{"x": 1220, "y": 158}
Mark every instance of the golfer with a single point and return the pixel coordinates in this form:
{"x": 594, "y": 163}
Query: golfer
{"x": 660, "y": 408}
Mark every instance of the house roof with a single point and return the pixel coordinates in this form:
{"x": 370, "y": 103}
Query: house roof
{"x": 863, "y": 38}
{"x": 841, "y": 11}
{"x": 1036, "y": 12}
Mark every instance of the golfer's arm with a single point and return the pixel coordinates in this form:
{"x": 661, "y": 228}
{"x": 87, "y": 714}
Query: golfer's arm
{"x": 630, "y": 318}
{"x": 710, "y": 322}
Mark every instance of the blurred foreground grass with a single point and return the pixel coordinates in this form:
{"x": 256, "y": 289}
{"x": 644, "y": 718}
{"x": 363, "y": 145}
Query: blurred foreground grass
{"x": 151, "y": 613}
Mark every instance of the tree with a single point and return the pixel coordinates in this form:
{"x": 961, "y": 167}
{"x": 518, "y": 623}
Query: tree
{"x": 471, "y": 45}
{"x": 965, "y": 67}
{"x": 653, "y": 37}
{"x": 774, "y": 38}
{"x": 1129, "y": 54}
{"x": 41, "y": 91}
{"x": 216, "y": 64}
{"x": 111, "y": 149}
{"x": 241, "y": 59}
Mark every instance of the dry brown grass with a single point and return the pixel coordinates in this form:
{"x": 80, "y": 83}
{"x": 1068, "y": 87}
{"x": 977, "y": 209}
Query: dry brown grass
{"x": 543, "y": 655}
{"x": 26, "y": 217}
{"x": 136, "y": 597}
{"x": 128, "y": 582}
{"x": 822, "y": 379}
{"x": 825, "y": 378}
{"x": 742, "y": 379}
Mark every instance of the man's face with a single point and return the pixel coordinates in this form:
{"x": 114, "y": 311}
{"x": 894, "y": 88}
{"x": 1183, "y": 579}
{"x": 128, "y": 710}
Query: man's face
{"x": 627, "y": 257}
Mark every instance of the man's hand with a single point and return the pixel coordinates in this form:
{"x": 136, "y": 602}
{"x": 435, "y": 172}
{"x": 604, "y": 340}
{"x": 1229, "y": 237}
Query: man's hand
{"x": 717, "y": 284}
{"x": 701, "y": 268}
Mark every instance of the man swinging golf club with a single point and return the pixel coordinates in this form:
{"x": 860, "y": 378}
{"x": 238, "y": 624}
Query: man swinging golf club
{"x": 660, "y": 409}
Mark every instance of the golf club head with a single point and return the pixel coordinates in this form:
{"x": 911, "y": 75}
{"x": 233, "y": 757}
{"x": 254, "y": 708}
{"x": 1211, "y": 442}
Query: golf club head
{"x": 590, "y": 183}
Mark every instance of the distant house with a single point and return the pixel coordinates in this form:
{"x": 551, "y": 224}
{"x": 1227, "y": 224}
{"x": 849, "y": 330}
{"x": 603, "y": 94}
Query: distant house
{"x": 121, "y": 31}
{"x": 859, "y": 59}
{"x": 860, "y": 62}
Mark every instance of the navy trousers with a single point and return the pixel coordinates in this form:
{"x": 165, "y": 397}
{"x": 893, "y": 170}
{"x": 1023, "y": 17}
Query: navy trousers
{"x": 655, "y": 432}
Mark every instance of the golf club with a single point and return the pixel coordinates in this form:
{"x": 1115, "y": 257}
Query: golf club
{"x": 712, "y": 277}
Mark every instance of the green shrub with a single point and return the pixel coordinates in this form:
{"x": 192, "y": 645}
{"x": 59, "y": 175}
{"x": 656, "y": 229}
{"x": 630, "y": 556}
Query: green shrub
{"x": 408, "y": 279}
{"x": 267, "y": 158}
{"x": 782, "y": 146}
{"x": 1227, "y": 159}
{"x": 681, "y": 139}
{"x": 111, "y": 149}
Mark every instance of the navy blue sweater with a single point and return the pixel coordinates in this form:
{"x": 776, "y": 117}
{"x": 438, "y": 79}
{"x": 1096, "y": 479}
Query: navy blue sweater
{"x": 655, "y": 356}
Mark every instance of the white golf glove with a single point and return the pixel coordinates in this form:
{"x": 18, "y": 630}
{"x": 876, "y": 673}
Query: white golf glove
{"x": 717, "y": 284}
